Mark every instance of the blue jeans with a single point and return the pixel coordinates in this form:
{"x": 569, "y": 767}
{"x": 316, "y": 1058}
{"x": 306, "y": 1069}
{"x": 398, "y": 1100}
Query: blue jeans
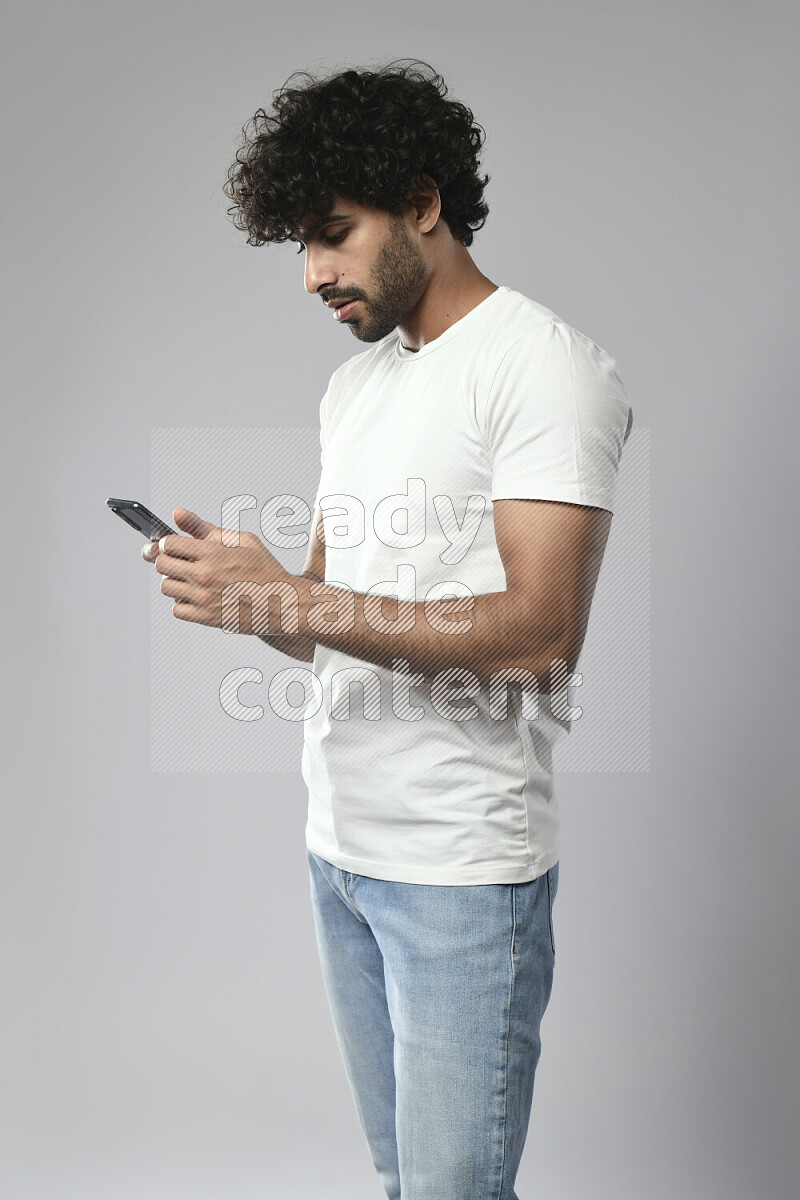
{"x": 437, "y": 994}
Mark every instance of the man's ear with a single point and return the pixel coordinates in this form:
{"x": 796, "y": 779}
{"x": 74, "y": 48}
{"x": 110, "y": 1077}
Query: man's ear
{"x": 426, "y": 203}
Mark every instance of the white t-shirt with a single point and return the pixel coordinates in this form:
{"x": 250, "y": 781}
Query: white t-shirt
{"x": 508, "y": 402}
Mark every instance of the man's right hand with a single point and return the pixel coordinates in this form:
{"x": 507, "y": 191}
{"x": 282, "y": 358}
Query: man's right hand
{"x": 294, "y": 646}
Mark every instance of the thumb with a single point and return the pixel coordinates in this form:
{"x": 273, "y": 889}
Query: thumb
{"x": 190, "y": 523}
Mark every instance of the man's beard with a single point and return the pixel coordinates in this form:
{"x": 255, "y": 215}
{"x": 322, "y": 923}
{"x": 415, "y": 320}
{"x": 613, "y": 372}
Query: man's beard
{"x": 398, "y": 276}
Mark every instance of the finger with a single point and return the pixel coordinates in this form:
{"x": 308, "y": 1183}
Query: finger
{"x": 178, "y": 589}
{"x": 150, "y": 551}
{"x": 191, "y": 612}
{"x": 190, "y": 523}
{"x": 174, "y": 568}
{"x": 179, "y": 547}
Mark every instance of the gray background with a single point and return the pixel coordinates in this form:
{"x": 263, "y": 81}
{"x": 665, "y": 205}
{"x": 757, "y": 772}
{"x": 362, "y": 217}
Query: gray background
{"x": 164, "y": 1030}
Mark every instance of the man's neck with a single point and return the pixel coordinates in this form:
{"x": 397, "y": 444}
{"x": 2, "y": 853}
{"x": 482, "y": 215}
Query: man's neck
{"x": 451, "y": 293}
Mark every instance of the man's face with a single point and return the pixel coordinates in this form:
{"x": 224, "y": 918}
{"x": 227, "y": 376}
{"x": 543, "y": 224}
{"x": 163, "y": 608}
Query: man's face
{"x": 363, "y": 253}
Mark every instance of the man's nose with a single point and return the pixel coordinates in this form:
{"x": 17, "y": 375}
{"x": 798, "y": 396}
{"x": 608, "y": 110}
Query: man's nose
{"x": 319, "y": 271}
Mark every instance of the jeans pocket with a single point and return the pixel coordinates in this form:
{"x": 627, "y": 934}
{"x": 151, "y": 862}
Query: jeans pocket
{"x": 552, "y": 888}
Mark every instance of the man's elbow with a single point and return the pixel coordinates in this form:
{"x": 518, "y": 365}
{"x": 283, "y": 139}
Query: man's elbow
{"x": 565, "y": 651}
{"x": 553, "y": 657}
{"x": 530, "y": 662}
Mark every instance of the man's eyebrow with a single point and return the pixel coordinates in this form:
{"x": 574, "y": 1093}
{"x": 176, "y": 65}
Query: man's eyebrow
{"x": 333, "y": 219}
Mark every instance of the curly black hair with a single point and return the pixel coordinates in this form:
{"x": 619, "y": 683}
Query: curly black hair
{"x": 371, "y": 136}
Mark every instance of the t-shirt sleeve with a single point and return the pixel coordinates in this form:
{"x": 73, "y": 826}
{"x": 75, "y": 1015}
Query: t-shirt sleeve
{"x": 555, "y": 418}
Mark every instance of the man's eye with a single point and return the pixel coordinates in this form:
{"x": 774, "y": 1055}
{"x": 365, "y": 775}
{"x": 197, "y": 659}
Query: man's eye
{"x": 333, "y": 240}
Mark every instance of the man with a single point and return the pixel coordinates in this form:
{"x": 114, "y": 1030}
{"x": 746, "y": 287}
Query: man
{"x": 469, "y": 461}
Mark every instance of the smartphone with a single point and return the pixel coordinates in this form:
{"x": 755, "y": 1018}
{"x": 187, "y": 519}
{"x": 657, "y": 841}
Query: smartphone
{"x": 140, "y": 518}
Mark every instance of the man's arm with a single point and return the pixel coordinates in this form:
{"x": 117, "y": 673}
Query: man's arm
{"x": 294, "y": 644}
{"x": 551, "y": 552}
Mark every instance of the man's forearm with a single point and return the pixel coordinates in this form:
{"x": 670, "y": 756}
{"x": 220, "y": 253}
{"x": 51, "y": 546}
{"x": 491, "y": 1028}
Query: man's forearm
{"x": 483, "y": 634}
